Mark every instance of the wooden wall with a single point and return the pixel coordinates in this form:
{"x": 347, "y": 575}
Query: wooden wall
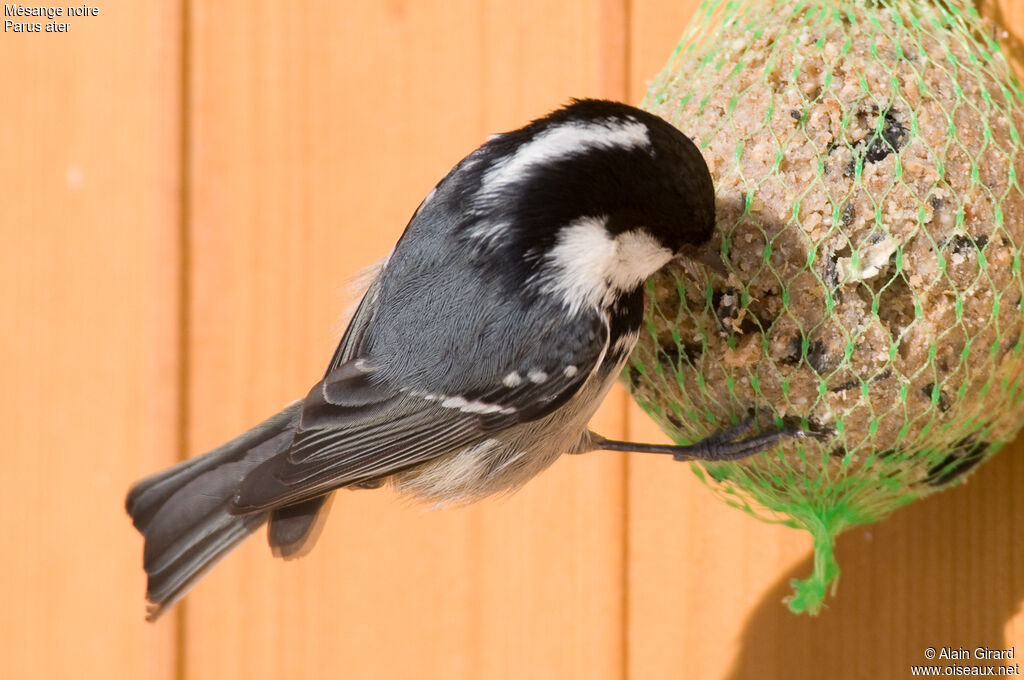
{"x": 185, "y": 189}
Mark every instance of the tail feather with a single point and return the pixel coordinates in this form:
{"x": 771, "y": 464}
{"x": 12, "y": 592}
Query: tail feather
{"x": 294, "y": 529}
{"x": 183, "y": 512}
{"x": 204, "y": 551}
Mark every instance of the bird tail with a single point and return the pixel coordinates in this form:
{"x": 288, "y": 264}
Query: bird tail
{"x": 184, "y": 512}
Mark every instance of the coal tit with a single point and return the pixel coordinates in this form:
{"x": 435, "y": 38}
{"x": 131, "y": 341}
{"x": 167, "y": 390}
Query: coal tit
{"x": 477, "y": 355}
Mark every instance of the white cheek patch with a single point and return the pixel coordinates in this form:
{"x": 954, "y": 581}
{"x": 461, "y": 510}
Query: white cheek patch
{"x": 563, "y": 141}
{"x": 576, "y": 268}
{"x": 638, "y": 255}
{"x": 587, "y": 263}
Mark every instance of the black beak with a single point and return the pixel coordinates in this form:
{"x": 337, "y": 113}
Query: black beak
{"x": 711, "y": 260}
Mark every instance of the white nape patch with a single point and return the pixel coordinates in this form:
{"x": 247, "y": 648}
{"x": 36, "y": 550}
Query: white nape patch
{"x": 537, "y": 377}
{"x": 513, "y": 379}
{"x": 570, "y": 371}
{"x": 587, "y": 263}
{"x": 563, "y": 141}
{"x": 488, "y": 235}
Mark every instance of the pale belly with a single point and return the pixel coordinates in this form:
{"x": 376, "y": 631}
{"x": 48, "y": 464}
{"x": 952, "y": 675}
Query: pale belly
{"x": 505, "y": 462}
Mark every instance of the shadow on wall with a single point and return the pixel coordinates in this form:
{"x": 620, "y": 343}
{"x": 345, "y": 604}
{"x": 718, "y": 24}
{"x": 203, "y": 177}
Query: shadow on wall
{"x": 946, "y": 571}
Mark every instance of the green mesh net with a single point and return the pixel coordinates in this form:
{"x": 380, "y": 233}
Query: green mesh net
{"x": 869, "y": 228}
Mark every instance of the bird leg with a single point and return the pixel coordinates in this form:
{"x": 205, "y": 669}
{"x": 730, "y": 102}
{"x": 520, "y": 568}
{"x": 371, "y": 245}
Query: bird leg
{"x": 729, "y": 444}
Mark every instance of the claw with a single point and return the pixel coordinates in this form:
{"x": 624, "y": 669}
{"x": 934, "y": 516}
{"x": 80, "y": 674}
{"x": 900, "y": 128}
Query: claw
{"x": 729, "y": 444}
{"x": 719, "y": 447}
{"x": 733, "y": 444}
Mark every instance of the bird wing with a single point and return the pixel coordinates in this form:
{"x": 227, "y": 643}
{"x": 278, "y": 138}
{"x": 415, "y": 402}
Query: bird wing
{"x": 352, "y": 340}
{"x": 355, "y": 427}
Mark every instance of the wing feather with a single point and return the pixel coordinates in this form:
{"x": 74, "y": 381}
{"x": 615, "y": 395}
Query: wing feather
{"x": 356, "y": 427}
{"x": 352, "y": 340}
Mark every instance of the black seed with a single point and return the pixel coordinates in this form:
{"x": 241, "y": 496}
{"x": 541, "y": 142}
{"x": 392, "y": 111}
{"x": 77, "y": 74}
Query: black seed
{"x": 883, "y": 375}
{"x": 793, "y": 351}
{"x": 668, "y": 357}
{"x": 968, "y": 453}
{"x": 788, "y": 422}
{"x": 962, "y": 242}
{"x": 634, "y": 376}
{"x": 751, "y": 324}
{"x": 693, "y": 353}
{"x": 832, "y": 271}
{"x": 892, "y": 139}
{"x": 819, "y": 358}
{"x": 674, "y": 421}
{"x": 847, "y": 214}
{"x": 838, "y": 452}
{"x": 877, "y": 146}
{"x": 958, "y": 243}
{"x": 815, "y": 425}
{"x": 727, "y": 307}
{"x": 1011, "y": 344}
{"x": 795, "y": 115}
{"x": 943, "y": 401}
{"x": 848, "y": 385}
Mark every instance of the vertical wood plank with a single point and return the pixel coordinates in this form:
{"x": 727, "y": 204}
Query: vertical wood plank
{"x": 89, "y": 338}
{"x": 706, "y": 582}
{"x": 1010, "y": 14}
{"x": 316, "y": 130}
